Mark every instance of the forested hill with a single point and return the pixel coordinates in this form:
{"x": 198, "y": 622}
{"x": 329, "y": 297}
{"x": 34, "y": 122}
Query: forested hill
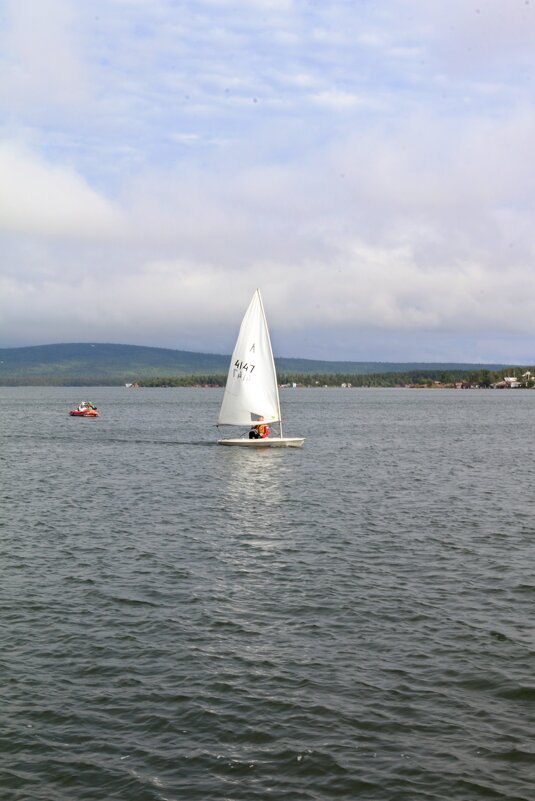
{"x": 88, "y": 363}
{"x": 103, "y": 362}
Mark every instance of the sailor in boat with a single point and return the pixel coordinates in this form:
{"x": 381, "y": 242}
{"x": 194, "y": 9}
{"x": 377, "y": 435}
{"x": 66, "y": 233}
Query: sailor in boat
{"x": 260, "y": 431}
{"x": 85, "y": 405}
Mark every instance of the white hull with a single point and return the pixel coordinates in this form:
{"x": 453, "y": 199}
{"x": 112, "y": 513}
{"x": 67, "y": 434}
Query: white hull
{"x": 269, "y": 442}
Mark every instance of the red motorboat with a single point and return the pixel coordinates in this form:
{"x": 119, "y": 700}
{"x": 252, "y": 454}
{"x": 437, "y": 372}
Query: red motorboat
{"x": 85, "y": 409}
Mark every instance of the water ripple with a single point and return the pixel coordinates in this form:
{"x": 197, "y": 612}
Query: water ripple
{"x": 185, "y": 621}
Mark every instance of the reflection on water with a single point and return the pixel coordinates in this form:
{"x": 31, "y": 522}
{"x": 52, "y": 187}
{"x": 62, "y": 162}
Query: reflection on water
{"x": 253, "y": 493}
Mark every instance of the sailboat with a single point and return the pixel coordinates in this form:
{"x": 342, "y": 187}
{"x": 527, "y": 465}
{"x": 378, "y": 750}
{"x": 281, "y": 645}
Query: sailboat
{"x": 251, "y": 394}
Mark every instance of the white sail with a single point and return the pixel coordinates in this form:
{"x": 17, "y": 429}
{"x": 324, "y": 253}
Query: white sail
{"x": 251, "y": 393}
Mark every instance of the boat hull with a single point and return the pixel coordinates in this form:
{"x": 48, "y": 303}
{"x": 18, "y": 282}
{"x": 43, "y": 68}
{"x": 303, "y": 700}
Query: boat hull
{"x": 78, "y": 413}
{"x": 268, "y": 442}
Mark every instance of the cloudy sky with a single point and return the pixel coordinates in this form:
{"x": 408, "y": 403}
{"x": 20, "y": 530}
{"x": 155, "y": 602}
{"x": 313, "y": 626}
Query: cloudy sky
{"x": 368, "y": 163}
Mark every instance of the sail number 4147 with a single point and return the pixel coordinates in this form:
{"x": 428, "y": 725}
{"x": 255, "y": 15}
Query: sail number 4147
{"x": 243, "y": 367}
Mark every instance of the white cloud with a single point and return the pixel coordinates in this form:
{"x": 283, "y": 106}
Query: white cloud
{"x": 404, "y": 211}
{"x": 37, "y": 198}
{"x": 262, "y": 5}
{"x": 338, "y": 99}
{"x": 425, "y": 228}
{"x": 42, "y": 62}
{"x": 485, "y": 35}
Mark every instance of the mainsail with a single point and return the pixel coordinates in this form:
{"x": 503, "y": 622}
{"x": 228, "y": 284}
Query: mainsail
{"x": 251, "y": 393}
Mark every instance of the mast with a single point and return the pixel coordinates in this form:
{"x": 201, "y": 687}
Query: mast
{"x": 272, "y": 361}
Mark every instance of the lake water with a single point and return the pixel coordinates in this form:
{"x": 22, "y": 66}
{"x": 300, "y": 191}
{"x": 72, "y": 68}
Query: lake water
{"x": 353, "y": 619}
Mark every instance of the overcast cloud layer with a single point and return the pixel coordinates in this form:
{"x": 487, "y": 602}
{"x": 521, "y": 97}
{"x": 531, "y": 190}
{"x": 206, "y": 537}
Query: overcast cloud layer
{"x": 368, "y": 165}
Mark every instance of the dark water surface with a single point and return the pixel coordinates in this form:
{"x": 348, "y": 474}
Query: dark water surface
{"x": 350, "y": 620}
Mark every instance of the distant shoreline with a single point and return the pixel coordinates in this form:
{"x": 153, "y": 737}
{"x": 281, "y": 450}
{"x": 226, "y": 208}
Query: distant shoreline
{"x": 424, "y": 380}
{"x": 97, "y": 364}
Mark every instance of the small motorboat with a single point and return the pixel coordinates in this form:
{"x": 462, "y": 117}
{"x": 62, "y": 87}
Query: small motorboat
{"x": 85, "y": 409}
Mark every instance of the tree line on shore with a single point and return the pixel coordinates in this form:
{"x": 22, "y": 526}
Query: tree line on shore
{"x": 482, "y": 378}
{"x": 415, "y": 378}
